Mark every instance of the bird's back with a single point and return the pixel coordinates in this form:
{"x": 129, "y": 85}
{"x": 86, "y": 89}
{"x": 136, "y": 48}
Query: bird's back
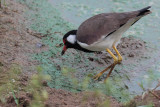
{"x": 97, "y": 26}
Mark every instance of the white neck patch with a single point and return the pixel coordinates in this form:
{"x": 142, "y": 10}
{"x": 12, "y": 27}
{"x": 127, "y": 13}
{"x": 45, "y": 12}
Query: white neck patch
{"x": 71, "y": 39}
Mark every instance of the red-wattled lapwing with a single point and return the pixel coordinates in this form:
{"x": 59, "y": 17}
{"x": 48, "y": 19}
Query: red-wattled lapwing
{"x": 102, "y": 32}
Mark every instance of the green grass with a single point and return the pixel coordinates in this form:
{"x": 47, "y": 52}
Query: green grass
{"x": 10, "y": 85}
{"x": 9, "y": 82}
{"x": 36, "y": 88}
{"x": 2, "y": 2}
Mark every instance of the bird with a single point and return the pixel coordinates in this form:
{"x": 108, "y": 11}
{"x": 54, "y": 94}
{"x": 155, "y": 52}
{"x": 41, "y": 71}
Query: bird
{"x": 103, "y": 32}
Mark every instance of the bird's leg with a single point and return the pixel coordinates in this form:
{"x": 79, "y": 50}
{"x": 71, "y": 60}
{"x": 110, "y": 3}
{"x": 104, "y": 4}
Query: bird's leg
{"x": 109, "y": 72}
{"x": 99, "y": 74}
{"x": 119, "y": 60}
{"x": 111, "y": 66}
{"x": 119, "y": 55}
{"x": 114, "y": 57}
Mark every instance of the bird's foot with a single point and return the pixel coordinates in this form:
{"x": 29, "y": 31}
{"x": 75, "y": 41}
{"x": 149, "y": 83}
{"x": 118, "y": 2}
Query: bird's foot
{"x": 97, "y": 76}
{"x": 119, "y": 60}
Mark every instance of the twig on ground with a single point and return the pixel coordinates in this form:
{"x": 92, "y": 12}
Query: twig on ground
{"x": 158, "y": 85}
{"x": 154, "y": 94}
{"x": 40, "y": 35}
{"x": 150, "y": 91}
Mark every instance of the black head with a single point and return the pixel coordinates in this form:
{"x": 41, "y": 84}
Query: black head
{"x": 69, "y": 40}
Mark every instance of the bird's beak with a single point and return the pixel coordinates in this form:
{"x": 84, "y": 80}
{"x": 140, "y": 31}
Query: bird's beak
{"x": 64, "y": 50}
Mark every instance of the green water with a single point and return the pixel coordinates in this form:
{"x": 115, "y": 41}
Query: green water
{"x": 72, "y": 71}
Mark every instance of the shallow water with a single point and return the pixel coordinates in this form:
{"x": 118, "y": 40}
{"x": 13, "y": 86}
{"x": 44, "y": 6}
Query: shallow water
{"x": 147, "y": 29}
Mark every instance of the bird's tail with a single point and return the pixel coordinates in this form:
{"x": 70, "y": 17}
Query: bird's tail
{"x": 144, "y": 11}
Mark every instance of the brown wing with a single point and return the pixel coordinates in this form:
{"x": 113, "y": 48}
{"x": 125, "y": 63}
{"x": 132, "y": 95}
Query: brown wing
{"x": 97, "y": 26}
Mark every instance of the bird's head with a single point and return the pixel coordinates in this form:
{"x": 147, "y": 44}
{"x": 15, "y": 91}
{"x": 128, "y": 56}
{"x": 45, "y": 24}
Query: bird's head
{"x": 69, "y": 40}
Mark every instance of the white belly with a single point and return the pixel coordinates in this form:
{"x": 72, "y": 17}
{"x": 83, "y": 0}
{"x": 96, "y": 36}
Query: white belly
{"x": 103, "y": 44}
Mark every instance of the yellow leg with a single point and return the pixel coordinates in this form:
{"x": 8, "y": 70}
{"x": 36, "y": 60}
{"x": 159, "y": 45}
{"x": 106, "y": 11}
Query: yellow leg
{"x": 111, "y": 66}
{"x": 119, "y": 55}
{"x": 109, "y": 72}
{"x": 99, "y": 74}
{"x": 114, "y": 57}
{"x": 119, "y": 60}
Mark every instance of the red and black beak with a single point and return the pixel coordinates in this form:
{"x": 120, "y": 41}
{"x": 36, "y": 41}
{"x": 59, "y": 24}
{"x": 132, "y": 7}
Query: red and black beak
{"x": 64, "y": 50}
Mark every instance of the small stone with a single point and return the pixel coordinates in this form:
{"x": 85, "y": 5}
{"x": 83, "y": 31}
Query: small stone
{"x": 39, "y": 45}
{"x": 138, "y": 46}
{"x": 29, "y": 95}
{"x": 44, "y": 83}
{"x": 64, "y": 103}
{"x": 131, "y": 55}
{"x": 1, "y": 64}
{"x": 91, "y": 59}
{"x": 124, "y": 46}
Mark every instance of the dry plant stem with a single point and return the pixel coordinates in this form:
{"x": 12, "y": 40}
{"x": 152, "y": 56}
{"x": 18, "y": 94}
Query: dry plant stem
{"x": 154, "y": 94}
{"x": 158, "y": 85}
{"x": 0, "y": 4}
{"x": 73, "y": 87}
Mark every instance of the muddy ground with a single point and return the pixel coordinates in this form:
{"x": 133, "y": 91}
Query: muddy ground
{"x": 17, "y": 43}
